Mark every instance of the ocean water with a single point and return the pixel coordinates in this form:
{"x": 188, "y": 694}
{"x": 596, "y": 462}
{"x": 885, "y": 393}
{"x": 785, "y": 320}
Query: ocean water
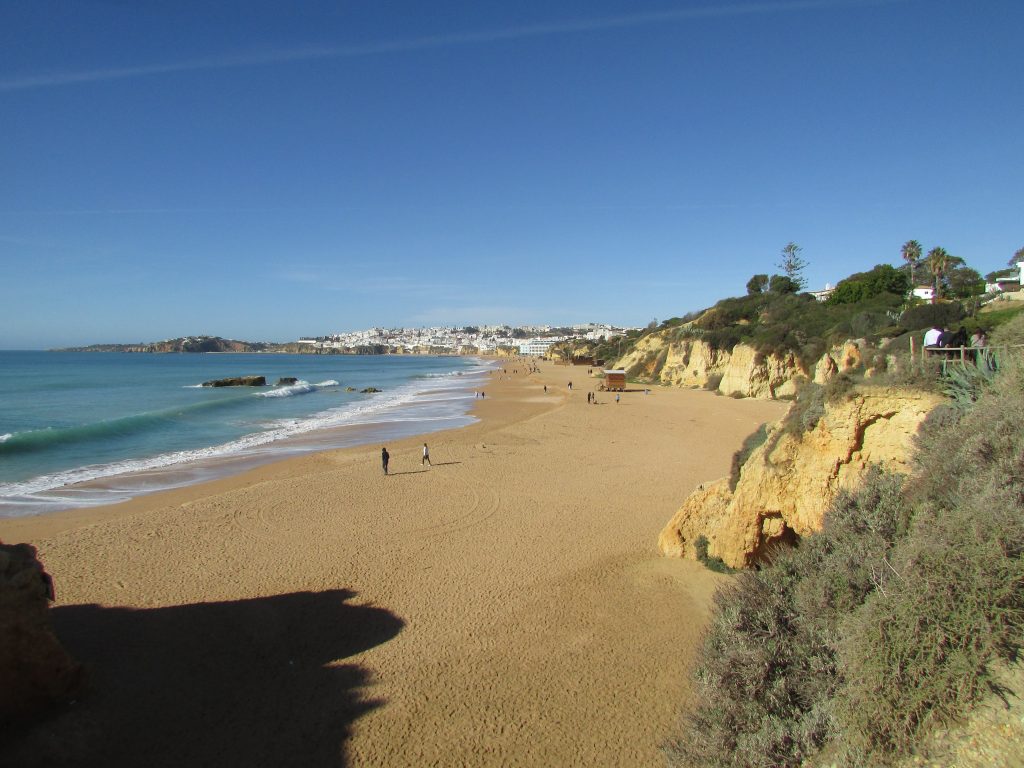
{"x": 80, "y": 429}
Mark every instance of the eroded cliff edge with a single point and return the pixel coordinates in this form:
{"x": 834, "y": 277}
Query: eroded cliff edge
{"x": 787, "y": 483}
{"x": 739, "y": 372}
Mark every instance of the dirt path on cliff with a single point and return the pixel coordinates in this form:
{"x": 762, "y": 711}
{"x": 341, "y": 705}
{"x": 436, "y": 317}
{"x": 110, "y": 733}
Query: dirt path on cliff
{"x": 504, "y": 607}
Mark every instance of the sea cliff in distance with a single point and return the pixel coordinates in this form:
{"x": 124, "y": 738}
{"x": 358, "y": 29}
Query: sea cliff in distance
{"x": 218, "y": 344}
{"x": 186, "y": 344}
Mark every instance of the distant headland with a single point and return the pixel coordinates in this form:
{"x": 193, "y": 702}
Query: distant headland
{"x": 443, "y": 340}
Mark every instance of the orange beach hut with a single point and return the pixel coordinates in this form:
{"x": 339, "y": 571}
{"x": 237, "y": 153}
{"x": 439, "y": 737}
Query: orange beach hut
{"x": 615, "y": 380}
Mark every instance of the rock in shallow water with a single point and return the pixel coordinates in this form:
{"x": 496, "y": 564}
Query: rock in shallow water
{"x": 238, "y": 381}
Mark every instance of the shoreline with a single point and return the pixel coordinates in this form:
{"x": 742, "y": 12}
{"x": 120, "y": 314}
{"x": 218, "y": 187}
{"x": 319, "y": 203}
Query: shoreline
{"x": 100, "y": 484}
{"x": 505, "y": 606}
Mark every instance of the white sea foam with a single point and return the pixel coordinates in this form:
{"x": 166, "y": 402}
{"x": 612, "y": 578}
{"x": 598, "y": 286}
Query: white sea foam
{"x": 6, "y": 437}
{"x": 298, "y": 388}
{"x": 380, "y": 408}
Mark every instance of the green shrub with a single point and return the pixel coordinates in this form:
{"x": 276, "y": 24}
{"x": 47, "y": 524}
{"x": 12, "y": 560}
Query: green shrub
{"x": 1011, "y": 332}
{"x": 767, "y": 672}
{"x": 888, "y": 621}
{"x": 921, "y": 650}
{"x": 884, "y": 278}
{"x": 942, "y": 315}
{"x": 748, "y": 679}
{"x": 809, "y": 405}
{"x": 716, "y": 564}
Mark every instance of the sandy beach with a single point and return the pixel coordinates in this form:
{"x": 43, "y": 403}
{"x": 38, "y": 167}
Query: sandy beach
{"x": 505, "y": 606}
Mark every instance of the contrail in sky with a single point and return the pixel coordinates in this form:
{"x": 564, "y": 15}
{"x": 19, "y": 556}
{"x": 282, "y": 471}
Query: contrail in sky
{"x": 54, "y": 79}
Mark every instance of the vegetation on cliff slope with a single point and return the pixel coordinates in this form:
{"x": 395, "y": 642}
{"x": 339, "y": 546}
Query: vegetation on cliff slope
{"x": 775, "y": 318}
{"x": 887, "y": 623}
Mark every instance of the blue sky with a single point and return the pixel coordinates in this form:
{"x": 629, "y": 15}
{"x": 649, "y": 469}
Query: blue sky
{"x": 264, "y": 170}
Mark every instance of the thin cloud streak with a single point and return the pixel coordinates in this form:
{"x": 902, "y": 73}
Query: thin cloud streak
{"x": 326, "y": 279}
{"x": 56, "y": 79}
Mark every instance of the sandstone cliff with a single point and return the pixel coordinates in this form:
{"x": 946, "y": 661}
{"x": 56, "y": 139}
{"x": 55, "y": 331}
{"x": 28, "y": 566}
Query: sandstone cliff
{"x": 689, "y": 362}
{"x": 787, "y": 483}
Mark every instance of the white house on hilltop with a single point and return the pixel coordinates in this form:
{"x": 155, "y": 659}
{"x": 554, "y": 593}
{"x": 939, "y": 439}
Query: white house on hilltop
{"x": 1009, "y": 284}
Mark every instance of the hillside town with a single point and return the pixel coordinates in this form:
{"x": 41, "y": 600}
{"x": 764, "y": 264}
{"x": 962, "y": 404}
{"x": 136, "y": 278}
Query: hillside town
{"x": 466, "y": 340}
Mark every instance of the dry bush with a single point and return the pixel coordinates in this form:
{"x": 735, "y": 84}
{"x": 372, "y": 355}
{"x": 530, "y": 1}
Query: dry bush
{"x": 887, "y": 622}
{"x": 767, "y": 672}
{"x": 1009, "y": 333}
{"x": 922, "y": 648}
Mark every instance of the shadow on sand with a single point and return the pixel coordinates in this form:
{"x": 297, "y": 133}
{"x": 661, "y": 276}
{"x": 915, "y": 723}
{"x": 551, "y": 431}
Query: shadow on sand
{"x": 244, "y": 683}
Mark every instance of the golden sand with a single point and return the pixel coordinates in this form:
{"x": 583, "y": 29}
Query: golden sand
{"x": 505, "y": 606}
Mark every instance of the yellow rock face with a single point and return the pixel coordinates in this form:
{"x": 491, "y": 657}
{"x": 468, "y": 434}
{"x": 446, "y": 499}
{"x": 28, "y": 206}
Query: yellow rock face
{"x": 787, "y": 484}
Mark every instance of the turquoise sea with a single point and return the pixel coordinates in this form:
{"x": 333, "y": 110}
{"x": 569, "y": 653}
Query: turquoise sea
{"x": 80, "y": 429}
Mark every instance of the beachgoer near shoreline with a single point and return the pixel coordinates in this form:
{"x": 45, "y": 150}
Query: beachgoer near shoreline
{"x": 384, "y": 457}
{"x": 616, "y": 398}
{"x": 426, "y": 456}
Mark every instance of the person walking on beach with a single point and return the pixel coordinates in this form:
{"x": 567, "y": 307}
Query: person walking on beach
{"x": 616, "y": 399}
{"x": 384, "y": 456}
{"x": 426, "y": 456}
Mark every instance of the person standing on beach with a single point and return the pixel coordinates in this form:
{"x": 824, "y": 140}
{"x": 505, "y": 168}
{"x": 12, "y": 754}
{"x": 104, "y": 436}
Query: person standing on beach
{"x": 384, "y": 456}
{"x": 426, "y": 456}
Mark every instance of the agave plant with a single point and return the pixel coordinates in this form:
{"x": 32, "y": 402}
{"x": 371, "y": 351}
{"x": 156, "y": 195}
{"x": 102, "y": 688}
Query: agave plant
{"x": 965, "y": 382}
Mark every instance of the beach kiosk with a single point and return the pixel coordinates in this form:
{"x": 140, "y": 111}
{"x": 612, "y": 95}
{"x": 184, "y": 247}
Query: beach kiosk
{"x": 615, "y": 381}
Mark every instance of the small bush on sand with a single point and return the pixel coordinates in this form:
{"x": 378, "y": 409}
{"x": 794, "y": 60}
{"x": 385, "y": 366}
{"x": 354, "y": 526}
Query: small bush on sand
{"x": 715, "y": 564}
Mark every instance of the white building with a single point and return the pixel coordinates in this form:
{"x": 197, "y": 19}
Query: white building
{"x": 1008, "y": 284}
{"x": 924, "y": 292}
{"x": 823, "y": 294}
{"x": 538, "y": 347}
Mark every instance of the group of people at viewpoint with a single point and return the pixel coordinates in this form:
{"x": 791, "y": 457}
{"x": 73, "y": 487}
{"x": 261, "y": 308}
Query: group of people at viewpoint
{"x": 385, "y": 457}
{"x": 943, "y": 337}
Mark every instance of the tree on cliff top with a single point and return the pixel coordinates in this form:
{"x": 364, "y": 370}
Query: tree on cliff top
{"x": 911, "y": 253}
{"x": 757, "y": 284}
{"x": 793, "y": 264}
{"x": 938, "y": 263}
{"x": 884, "y": 278}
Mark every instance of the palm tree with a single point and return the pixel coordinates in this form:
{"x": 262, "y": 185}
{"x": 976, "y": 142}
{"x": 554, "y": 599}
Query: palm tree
{"x": 938, "y": 264}
{"x": 911, "y": 253}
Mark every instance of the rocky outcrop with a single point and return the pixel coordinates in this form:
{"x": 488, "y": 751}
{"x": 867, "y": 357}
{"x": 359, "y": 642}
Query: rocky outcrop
{"x": 238, "y": 381}
{"x": 368, "y": 390}
{"x": 35, "y": 670}
{"x": 286, "y": 381}
{"x": 741, "y": 372}
{"x": 786, "y": 484}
